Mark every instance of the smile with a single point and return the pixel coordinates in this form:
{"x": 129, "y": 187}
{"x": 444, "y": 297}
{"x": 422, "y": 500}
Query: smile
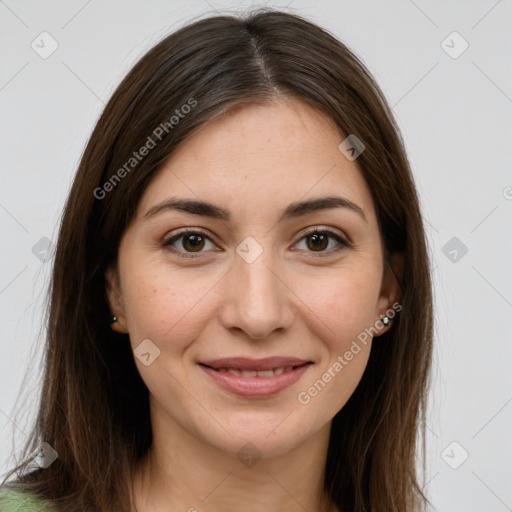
{"x": 256, "y": 383}
{"x": 254, "y": 373}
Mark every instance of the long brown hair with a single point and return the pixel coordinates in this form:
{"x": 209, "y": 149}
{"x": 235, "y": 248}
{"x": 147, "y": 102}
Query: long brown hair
{"x": 94, "y": 407}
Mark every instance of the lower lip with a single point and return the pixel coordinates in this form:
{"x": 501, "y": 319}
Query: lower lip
{"x": 256, "y": 387}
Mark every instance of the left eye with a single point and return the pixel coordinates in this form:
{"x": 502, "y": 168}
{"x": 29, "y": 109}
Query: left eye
{"x": 193, "y": 241}
{"x": 319, "y": 241}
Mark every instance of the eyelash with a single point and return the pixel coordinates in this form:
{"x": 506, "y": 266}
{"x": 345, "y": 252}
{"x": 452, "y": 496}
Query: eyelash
{"x": 343, "y": 244}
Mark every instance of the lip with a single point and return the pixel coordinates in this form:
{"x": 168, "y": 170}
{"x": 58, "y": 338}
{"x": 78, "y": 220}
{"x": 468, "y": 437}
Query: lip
{"x": 256, "y": 387}
{"x": 246, "y": 363}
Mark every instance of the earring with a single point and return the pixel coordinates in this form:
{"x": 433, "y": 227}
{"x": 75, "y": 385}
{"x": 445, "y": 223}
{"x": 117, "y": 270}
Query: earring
{"x": 115, "y": 326}
{"x": 386, "y": 320}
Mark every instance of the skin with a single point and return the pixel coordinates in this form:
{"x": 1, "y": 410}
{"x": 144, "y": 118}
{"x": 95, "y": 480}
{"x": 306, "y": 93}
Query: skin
{"x": 290, "y": 301}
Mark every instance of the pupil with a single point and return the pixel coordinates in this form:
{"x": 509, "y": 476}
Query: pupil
{"x": 319, "y": 238}
{"x": 195, "y": 244}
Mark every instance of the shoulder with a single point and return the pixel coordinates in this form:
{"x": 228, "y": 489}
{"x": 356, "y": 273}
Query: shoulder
{"x": 15, "y": 500}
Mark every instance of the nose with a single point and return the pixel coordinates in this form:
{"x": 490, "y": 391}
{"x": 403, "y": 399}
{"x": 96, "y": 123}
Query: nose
{"x": 257, "y": 298}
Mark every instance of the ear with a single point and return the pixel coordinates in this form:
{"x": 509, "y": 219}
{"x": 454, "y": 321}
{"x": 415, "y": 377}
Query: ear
{"x": 115, "y": 299}
{"x": 390, "y": 292}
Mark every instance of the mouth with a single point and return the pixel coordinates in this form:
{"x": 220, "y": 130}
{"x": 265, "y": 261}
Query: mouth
{"x": 256, "y": 378}
{"x": 271, "y": 372}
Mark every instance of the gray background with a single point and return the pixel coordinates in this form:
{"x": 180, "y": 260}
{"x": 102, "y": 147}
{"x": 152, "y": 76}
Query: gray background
{"x": 454, "y": 110}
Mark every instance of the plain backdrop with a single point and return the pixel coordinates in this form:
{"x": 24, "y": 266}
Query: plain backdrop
{"x": 445, "y": 67}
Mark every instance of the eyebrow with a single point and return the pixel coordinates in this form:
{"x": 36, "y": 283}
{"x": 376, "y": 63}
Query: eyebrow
{"x": 293, "y": 210}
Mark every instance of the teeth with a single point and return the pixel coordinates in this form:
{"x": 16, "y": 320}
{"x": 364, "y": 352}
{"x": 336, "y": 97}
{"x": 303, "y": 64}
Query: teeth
{"x": 259, "y": 373}
{"x": 265, "y": 373}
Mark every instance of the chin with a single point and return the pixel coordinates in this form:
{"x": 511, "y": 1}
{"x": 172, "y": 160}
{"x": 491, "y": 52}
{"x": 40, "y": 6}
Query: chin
{"x": 266, "y": 437}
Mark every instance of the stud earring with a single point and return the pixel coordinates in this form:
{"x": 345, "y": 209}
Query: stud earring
{"x": 113, "y": 320}
{"x": 386, "y": 320}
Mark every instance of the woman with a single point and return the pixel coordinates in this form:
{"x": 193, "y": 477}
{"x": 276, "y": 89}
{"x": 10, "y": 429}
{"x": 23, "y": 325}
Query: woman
{"x": 241, "y": 307}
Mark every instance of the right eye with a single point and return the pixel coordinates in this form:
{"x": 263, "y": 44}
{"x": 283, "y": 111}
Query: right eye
{"x": 192, "y": 244}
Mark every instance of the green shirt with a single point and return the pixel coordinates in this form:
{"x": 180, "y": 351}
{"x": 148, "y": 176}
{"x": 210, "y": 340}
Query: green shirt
{"x": 17, "y": 501}
{"x": 14, "y": 500}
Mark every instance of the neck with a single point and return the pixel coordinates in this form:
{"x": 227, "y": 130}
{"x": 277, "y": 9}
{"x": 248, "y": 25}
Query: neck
{"x": 182, "y": 472}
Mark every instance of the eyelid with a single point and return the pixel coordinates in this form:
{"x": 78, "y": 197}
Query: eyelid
{"x": 326, "y": 229}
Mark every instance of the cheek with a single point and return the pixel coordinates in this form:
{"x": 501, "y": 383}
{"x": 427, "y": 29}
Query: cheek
{"x": 345, "y": 310}
{"x": 165, "y": 306}
{"x": 342, "y": 309}
{"x": 345, "y": 303}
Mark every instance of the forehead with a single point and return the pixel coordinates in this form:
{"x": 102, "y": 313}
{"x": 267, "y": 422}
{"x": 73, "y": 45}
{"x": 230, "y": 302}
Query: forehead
{"x": 257, "y": 156}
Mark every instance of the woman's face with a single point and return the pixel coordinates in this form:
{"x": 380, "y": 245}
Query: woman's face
{"x": 250, "y": 280}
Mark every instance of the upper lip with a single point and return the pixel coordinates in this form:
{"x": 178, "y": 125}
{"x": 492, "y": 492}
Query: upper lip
{"x": 245, "y": 363}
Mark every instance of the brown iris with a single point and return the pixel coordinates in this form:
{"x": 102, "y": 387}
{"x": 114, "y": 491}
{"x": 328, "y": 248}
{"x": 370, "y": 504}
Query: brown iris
{"x": 319, "y": 241}
{"x": 197, "y": 242}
